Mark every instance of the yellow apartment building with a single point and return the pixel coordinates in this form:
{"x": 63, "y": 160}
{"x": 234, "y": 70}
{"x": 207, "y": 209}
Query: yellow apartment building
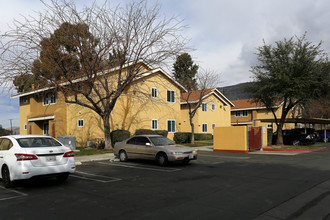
{"x": 214, "y": 112}
{"x": 247, "y": 113}
{"x": 151, "y": 102}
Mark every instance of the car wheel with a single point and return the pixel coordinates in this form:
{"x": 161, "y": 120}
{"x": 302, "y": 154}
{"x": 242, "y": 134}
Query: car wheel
{"x": 161, "y": 159}
{"x": 6, "y": 177}
{"x": 295, "y": 142}
{"x": 123, "y": 156}
{"x": 63, "y": 177}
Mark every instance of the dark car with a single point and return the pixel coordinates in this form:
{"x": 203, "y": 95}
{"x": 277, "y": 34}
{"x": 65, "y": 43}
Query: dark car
{"x": 310, "y": 131}
{"x": 295, "y": 137}
{"x": 321, "y": 135}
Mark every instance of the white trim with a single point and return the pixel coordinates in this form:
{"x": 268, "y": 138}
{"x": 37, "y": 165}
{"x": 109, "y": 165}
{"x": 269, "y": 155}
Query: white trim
{"x": 203, "y": 128}
{"x": 168, "y": 90}
{"x": 171, "y": 125}
{"x": 156, "y": 92}
{"x": 83, "y": 123}
{"x": 152, "y": 120}
{"x": 41, "y": 118}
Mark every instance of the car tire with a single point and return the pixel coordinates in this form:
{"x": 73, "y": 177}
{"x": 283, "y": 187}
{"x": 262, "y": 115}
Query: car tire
{"x": 295, "y": 142}
{"x": 123, "y": 156}
{"x": 63, "y": 177}
{"x": 6, "y": 177}
{"x": 161, "y": 159}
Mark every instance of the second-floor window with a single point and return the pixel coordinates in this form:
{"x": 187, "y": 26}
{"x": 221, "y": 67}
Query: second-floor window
{"x": 50, "y": 98}
{"x": 80, "y": 123}
{"x": 170, "y": 96}
{"x": 204, "y": 107}
{"x": 154, "y": 124}
{"x": 154, "y": 93}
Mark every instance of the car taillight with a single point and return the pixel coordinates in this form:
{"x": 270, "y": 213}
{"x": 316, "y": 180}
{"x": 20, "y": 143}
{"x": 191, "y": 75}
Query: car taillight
{"x": 22, "y": 157}
{"x": 69, "y": 154}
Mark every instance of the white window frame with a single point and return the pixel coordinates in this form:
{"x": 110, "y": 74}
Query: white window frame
{"x": 213, "y": 107}
{"x": 213, "y": 126}
{"x": 171, "y": 130}
{"x": 154, "y": 124}
{"x": 204, "y": 107}
{"x": 44, "y": 98}
{"x": 50, "y": 97}
{"x": 269, "y": 125}
{"x": 245, "y": 113}
{"x": 154, "y": 92}
{"x": 79, "y": 125}
{"x": 238, "y": 114}
{"x": 204, "y": 128}
{"x": 170, "y": 96}
{"x": 25, "y": 127}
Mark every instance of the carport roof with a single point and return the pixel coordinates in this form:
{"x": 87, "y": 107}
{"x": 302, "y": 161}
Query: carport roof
{"x": 301, "y": 120}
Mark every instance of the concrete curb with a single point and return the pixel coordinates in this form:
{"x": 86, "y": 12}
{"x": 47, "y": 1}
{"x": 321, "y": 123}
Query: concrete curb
{"x": 98, "y": 157}
{"x": 294, "y": 150}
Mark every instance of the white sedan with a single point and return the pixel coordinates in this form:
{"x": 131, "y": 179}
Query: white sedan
{"x": 27, "y": 156}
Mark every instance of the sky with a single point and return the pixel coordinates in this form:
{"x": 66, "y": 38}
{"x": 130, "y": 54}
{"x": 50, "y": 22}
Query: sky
{"x": 224, "y": 34}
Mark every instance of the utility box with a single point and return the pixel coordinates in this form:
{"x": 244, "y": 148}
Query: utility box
{"x": 68, "y": 141}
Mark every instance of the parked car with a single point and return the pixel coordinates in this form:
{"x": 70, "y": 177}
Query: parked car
{"x": 321, "y": 135}
{"x": 314, "y": 134}
{"x": 295, "y": 137}
{"x": 27, "y": 156}
{"x": 153, "y": 147}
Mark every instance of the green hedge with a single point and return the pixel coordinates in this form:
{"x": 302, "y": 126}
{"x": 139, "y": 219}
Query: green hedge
{"x": 148, "y": 131}
{"x": 182, "y": 137}
{"x": 185, "y": 137}
{"x": 119, "y": 135}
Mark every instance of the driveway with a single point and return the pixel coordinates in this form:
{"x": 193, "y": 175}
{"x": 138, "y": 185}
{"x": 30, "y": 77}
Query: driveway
{"x": 216, "y": 186}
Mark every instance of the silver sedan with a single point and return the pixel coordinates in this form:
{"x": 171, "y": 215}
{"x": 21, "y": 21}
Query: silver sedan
{"x": 153, "y": 147}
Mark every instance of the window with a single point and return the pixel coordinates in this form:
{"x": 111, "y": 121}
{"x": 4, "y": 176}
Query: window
{"x": 50, "y": 98}
{"x": 213, "y": 107}
{"x": 204, "y": 128}
{"x": 80, "y": 123}
{"x": 171, "y": 126}
{"x": 213, "y": 126}
{"x": 154, "y": 124}
{"x": 238, "y": 114}
{"x": 25, "y": 127}
{"x": 269, "y": 125}
{"x": 26, "y": 101}
{"x": 138, "y": 141}
{"x": 204, "y": 107}
{"x": 245, "y": 113}
{"x": 5, "y": 144}
{"x": 170, "y": 96}
{"x": 154, "y": 93}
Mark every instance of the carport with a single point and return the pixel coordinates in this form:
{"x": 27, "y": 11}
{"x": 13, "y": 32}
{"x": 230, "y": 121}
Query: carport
{"x": 325, "y": 123}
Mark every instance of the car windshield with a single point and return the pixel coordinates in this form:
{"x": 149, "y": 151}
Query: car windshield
{"x": 161, "y": 141}
{"x": 38, "y": 142}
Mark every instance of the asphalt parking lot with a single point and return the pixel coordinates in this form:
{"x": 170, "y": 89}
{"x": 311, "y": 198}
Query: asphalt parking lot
{"x": 216, "y": 186}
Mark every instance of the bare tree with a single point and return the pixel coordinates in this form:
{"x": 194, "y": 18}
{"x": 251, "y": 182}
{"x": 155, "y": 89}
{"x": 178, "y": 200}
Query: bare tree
{"x": 96, "y": 42}
{"x": 193, "y": 99}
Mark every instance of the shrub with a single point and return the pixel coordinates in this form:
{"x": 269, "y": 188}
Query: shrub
{"x": 148, "y": 131}
{"x": 203, "y": 136}
{"x": 119, "y": 135}
{"x": 182, "y": 137}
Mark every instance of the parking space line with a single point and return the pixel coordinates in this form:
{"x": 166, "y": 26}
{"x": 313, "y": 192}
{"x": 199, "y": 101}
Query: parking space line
{"x": 142, "y": 167}
{"x": 94, "y": 177}
{"x": 14, "y": 191}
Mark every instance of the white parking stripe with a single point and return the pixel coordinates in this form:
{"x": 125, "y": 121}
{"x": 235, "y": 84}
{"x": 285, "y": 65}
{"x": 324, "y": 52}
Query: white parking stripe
{"x": 12, "y": 197}
{"x": 141, "y": 167}
{"x": 97, "y": 178}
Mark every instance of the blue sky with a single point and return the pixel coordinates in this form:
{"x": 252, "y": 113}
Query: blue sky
{"x": 224, "y": 33}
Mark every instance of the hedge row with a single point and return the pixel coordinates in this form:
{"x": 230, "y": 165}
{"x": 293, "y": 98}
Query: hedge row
{"x": 119, "y": 135}
{"x": 148, "y": 131}
{"x": 185, "y": 137}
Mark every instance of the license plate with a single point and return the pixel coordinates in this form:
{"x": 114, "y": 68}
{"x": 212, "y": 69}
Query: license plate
{"x": 51, "y": 158}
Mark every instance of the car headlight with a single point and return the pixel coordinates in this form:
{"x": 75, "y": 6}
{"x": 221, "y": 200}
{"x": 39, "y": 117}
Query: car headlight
{"x": 175, "y": 153}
